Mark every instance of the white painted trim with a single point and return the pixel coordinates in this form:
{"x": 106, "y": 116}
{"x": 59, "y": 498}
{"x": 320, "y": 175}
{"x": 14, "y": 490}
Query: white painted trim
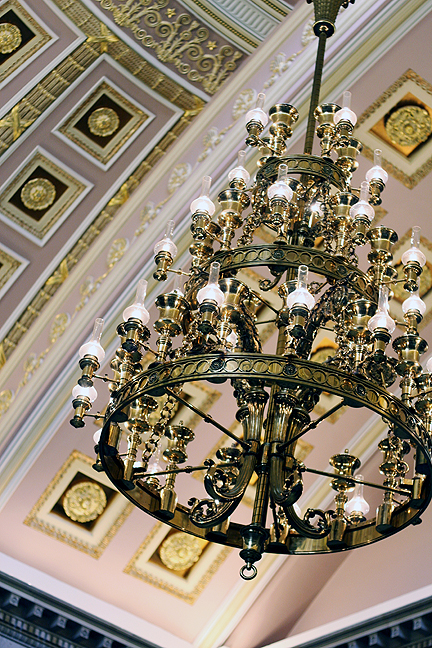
{"x": 90, "y": 604}
{"x": 23, "y": 264}
{"x": 151, "y": 116}
{"x": 18, "y": 228}
{"x": 52, "y": 64}
{"x": 354, "y": 619}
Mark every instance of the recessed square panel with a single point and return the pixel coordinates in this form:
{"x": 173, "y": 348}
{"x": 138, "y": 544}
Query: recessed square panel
{"x": 40, "y": 197}
{"x": 80, "y": 507}
{"x": 11, "y": 266}
{"x": 176, "y": 562}
{"x": 104, "y": 124}
{"x": 399, "y": 123}
{"x": 20, "y": 37}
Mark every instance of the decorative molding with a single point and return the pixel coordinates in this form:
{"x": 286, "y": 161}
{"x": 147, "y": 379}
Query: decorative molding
{"x": 408, "y": 170}
{"x": 46, "y": 515}
{"x": 28, "y": 37}
{"x": 187, "y": 586}
{"x": 29, "y": 617}
{"x": 40, "y": 196}
{"x": 12, "y": 265}
{"x": 177, "y": 40}
{"x": 81, "y": 127}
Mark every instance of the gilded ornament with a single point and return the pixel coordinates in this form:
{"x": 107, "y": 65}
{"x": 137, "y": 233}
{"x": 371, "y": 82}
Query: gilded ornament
{"x": 117, "y": 250}
{"x": 409, "y": 126}
{"x": 178, "y": 176}
{"x": 180, "y": 551}
{"x": 103, "y": 122}
{"x": 6, "y": 397}
{"x": 10, "y": 38}
{"x": 244, "y": 102}
{"x": 84, "y": 501}
{"x": 38, "y": 194}
{"x": 59, "y": 326}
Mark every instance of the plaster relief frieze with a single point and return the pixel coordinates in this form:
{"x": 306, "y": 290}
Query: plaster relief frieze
{"x": 178, "y": 40}
{"x": 21, "y": 37}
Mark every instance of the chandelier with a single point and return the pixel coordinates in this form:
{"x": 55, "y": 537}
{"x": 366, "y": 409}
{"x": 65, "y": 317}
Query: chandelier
{"x": 207, "y": 330}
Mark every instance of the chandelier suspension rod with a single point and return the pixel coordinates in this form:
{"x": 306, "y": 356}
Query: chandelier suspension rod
{"x": 208, "y": 419}
{"x": 312, "y": 425}
{"x": 316, "y": 87}
{"x": 323, "y": 473}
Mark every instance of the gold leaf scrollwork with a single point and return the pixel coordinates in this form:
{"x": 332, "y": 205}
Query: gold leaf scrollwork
{"x": 59, "y": 326}
{"x": 6, "y": 398}
{"x": 116, "y": 251}
{"x": 178, "y": 176}
{"x": 59, "y": 275}
{"x": 179, "y": 40}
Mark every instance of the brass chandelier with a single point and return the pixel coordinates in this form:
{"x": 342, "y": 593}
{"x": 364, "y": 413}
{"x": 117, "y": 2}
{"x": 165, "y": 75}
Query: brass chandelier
{"x": 207, "y": 330}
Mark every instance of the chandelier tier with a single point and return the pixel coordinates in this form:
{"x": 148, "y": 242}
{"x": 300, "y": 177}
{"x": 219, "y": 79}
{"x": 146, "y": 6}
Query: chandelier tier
{"x": 207, "y": 330}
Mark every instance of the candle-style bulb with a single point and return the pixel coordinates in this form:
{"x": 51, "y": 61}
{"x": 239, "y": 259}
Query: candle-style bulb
{"x": 89, "y": 392}
{"x": 345, "y": 113}
{"x": 212, "y": 292}
{"x": 414, "y": 303}
{"x": 93, "y": 346}
{"x": 382, "y": 319}
{"x": 280, "y": 188}
{"x": 203, "y": 203}
{"x": 377, "y": 172}
{"x": 357, "y": 507}
{"x": 138, "y": 310}
{"x": 301, "y": 295}
{"x": 257, "y": 114}
{"x": 362, "y": 207}
{"x": 166, "y": 244}
{"x": 414, "y": 254}
{"x": 239, "y": 172}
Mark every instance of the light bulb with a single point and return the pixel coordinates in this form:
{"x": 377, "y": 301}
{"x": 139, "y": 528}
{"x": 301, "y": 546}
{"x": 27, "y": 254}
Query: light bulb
{"x": 362, "y": 207}
{"x": 89, "y": 392}
{"x": 212, "y": 292}
{"x": 257, "y": 114}
{"x": 239, "y": 172}
{"x": 178, "y": 287}
{"x": 138, "y": 310}
{"x": 301, "y": 295}
{"x": 357, "y": 505}
{"x": 413, "y": 302}
{"x": 280, "y": 188}
{"x": 382, "y": 319}
{"x": 94, "y": 347}
{"x": 232, "y": 339}
{"x": 414, "y": 253}
{"x": 203, "y": 203}
{"x": 166, "y": 244}
{"x": 377, "y": 172}
{"x": 345, "y": 113}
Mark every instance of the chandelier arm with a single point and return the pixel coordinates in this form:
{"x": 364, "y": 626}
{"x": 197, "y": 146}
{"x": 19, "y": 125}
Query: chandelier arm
{"x": 303, "y": 527}
{"x": 208, "y": 419}
{"x": 323, "y": 473}
{"x": 312, "y": 425}
{"x": 219, "y": 512}
{"x": 239, "y": 487}
{"x": 176, "y": 471}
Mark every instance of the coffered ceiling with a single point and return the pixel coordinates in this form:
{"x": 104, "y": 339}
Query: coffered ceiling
{"x": 111, "y": 113}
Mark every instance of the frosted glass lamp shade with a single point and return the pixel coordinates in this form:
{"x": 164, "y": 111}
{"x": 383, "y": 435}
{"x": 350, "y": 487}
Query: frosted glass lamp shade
{"x": 89, "y": 392}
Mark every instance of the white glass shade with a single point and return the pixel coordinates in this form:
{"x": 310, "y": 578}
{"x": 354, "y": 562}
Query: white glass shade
{"x": 203, "y": 202}
{"x": 212, "y": 292}
{"x": 362, "y": 207}
{"x": 280, "y": 190}
{"x": 382, "y": 319}
{"x": 166, "y": 245}
{"x": 377, "y": 172}
{"x": 257, "y": 115}
{"x": 97, "y": 436}
{"x": 301, "y": 295}
{"x": 414, "y": 303}
{"x": 357, "y": 504}
{"x": 90, "y": 392}
{"x": 414, "y": 253}
{"x": 93, "y": 346}
{"x": 345, "y": 114}
{"x": 138, "y": 310}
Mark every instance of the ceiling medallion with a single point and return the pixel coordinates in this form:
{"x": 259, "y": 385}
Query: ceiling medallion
{"x": 10, "y": 38}
{"x": 409, "y": 125}
{"x": 84, "y": 501}
{"x": 103, "y": 122}
{"x": 180, "y": 551}
{"x": 38, "y": 194}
